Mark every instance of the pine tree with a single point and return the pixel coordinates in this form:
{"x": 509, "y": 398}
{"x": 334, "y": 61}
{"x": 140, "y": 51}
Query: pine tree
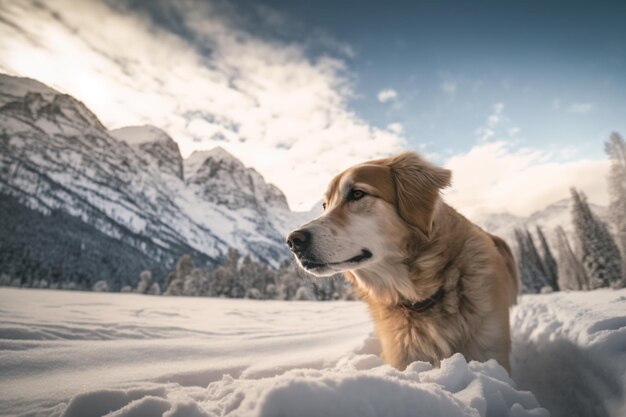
{"x": 222, "y": 280}
{"x": 145, "y": 282}
{"x": 549, "y": 263}
{"x": 615, "y": 148}
{"x": 600, "y": 255}
{"x": 572, "y": 275}
{"x": 530, "y": 266}
{"x": 195, "y": 284}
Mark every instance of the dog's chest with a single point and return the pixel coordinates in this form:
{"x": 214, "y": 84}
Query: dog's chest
{"x": 408, "y": 337}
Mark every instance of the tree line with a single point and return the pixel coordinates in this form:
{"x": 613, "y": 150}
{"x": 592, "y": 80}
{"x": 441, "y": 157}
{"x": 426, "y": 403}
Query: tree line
{"x": 597, "y": 258}
{"x": 243, "y": 277}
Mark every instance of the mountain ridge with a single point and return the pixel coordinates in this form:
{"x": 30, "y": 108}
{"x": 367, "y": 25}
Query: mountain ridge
{"x": 56, "y": 155}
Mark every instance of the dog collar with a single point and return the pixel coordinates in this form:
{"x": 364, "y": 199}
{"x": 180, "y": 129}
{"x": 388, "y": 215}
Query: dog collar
{"x": 424, "y": 305}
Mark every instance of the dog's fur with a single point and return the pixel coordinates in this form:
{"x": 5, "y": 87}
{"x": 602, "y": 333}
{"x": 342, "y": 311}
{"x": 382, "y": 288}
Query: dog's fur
{"x": 399, "y": 243}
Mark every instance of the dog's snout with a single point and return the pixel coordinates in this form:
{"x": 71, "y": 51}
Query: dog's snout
{"x": 299, "y": 240}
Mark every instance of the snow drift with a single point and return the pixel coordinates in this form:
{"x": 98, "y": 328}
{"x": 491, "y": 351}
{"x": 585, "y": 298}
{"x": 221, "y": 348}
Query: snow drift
{"x": 93, "y": 354}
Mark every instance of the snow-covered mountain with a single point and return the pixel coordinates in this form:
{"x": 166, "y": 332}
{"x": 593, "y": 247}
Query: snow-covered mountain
{"x": 153, "y": 145}
{"x": 548, "y": 218}
{"x": 115, "y": 202}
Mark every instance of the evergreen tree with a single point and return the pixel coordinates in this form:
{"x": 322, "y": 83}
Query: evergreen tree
{"x": 237, "y": 278}
{"x": 530, "y": 266}
{"x": 222, "y": 280}
{"x": 549, "y": 263}
{"x": 176, "y": 280}
{"x": 572, "y": 275}
{"x": 184, "y": 266}
{"x": 155, "y": 289}
{"x": 615, "y": 148}
{"x": 101, "y": 286}
{"x": 196, "y": 283}
{"x": 600, "y": 255}
{"x": 145, "y": 282}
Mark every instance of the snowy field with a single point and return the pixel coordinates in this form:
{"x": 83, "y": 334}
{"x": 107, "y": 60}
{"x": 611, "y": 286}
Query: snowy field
{"x": 93, "y": 354}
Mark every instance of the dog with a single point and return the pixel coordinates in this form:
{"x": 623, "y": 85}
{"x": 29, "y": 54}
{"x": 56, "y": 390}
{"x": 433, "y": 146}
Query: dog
{"x": 435, "y": 283}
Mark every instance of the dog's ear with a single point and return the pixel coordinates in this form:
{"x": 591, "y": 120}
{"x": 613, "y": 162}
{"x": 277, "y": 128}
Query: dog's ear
{"x": 417, "y": 184}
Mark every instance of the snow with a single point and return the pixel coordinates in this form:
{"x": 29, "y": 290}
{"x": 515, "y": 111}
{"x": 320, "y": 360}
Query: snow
{"x": 570, "y": 350}
{"x": 137, "y": 135}
{"x": 194, "y": 161}
{"x": 91, "y": 354}
{"x": 14, "y": 87}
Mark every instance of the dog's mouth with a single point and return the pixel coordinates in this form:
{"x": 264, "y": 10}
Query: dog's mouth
{"x": 313, "y": 265}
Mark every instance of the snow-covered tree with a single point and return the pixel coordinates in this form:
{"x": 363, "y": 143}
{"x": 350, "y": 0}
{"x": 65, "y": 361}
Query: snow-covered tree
{"x": 550, "y": 267}
{"x": 5, "y": 280}
{"x": 155, "y": 289}
{"x": 530, "y": 266}
{"x": 572, "y": 274}
{"x": 145, "y": 282}
{"x": 196, "y": 283}
{"x": 101, "y": 286}
{"x": 184, "y": 266}
{"x": 174, "y": 285}
{"x": 304, "y": 293}
{"x": 600, "y": 255}
{"x": 239, "y": 278}
{"x": 255, "y": 275}
{"x": 175, "y": 282}
{"x": 222, "y": 280}
{"x": 288, "y": 280}
{"x": 615, "y": 148}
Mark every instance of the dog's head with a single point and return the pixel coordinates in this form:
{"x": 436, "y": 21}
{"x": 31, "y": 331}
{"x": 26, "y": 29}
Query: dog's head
{"x": 370, "y": 212}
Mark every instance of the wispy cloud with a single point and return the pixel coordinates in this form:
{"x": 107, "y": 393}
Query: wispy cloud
{"x": 396, "y": 128}
{"x": 496, "y": 124}
{"x": 207, "y": 82}
{"x": 580, "y": 108}
{"x": 448, "y": 87}
{"x": 388, "y": 94}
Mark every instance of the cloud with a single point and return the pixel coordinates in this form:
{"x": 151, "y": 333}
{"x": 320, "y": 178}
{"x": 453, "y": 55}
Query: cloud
{"x": 206, "y": 80}
{"x": 388, "y": 94}
{"x": 396, "y": 128}
{"x": 448, "y": 87}
{"x": 496, "y": 122}
{"x": 580, "y": 108}
{"x": 492, "y": 177}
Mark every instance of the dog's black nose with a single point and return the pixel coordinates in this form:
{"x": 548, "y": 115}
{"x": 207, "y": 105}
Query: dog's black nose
{"x": 299, "y": 240}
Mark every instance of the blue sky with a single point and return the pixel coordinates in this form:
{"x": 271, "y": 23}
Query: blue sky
{"x": 511, "y": 95}
{"x": 559, "y": 68}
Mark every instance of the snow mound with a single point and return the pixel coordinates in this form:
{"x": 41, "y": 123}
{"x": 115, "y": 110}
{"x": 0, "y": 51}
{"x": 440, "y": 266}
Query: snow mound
{"x": 569, "y": 349}
{"x": 359, "y": 385}
{"x": 92, "y": 354}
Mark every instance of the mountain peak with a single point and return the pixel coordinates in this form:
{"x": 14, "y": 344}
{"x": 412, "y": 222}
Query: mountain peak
{"x": 154, "y": 145}
{"x": 137, "y": 135}
{"x": 198, "y": 158}
{"x": 220, "y": 177}
{"x": 12, "y": 88}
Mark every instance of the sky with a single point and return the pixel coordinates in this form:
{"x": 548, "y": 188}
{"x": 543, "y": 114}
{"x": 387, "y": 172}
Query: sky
{"x": 515, "y": 97}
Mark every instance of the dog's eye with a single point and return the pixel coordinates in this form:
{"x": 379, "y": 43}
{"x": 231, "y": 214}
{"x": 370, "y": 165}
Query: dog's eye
{"x": 324, "y": 206}
{"x": 355, "y": 195}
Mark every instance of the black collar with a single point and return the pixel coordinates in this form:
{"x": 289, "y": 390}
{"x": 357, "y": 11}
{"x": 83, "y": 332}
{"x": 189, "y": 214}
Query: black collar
{"x": 424, "y": 305}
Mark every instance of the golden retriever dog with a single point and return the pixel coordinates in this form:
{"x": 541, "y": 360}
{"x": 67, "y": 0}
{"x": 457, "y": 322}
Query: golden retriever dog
{"x": 435, "y": 283}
